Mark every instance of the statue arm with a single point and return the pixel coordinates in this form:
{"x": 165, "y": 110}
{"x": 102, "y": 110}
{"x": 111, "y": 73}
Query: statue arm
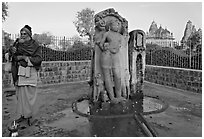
{"x": 101, "y": 45}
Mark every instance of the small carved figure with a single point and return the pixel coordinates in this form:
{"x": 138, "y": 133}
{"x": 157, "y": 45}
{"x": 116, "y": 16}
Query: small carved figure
{"x": 100, "y": 88}
{"x": 126, "y": 86}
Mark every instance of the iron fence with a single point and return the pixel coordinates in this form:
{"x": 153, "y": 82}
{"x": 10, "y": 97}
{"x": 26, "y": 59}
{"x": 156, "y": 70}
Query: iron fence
{"x": 55, "y": 48}
{"x": 84, "y": 53}
{"x": 65, "y": 49}
{"x": 174, "y": 58}
{"x": 53, "y": 42}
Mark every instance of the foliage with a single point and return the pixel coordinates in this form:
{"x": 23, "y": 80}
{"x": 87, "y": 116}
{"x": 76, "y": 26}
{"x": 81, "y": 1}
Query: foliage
{"x": 4, "y": 10}
{"x": 76, "y": 38}
{"x": 152, "y": 46}
{"x": 65, "y": 44}
{"x": 199, "y": 48}
{"x": 178, "y": 47}
{"x": 43, "y": 39}
{"x": 195, "y": 40}
{"x": 85, "y": 23}
{"x": 7, "y": 41}
{"x": 78, "y": 45}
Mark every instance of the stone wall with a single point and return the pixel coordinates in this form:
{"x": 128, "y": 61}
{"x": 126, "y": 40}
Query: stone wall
{"x": 56, "y": 72}
{"x": 60, "y": 72}
{"x": 185, "y": 79}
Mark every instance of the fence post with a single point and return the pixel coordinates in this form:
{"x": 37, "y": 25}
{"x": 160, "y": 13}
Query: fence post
{"x": 64, "y": 44}
{"x": 190, "y": 54}
{"x": 150, "y": 57}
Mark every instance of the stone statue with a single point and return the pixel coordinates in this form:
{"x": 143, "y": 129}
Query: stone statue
{"x": 110, "y": 59}
{"x": 111, "y": 56}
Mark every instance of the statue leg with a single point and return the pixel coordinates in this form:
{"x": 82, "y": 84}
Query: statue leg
{"x": 118, "y": 86}
{"x": 117, "y": 81}
{"x": 108, "y": 82}
{"x": 128, "y": 90}
{"x": 124, "y": 90}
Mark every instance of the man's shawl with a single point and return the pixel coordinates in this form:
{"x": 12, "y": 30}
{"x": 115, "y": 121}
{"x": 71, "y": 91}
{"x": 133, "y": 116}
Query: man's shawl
{"x": 30, "y": 49}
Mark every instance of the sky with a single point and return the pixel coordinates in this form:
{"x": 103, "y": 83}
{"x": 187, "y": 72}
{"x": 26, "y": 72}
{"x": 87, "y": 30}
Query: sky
{"x": 57, "y": 17}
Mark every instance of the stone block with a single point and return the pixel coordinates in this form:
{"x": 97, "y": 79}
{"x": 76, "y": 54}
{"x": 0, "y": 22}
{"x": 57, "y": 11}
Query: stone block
{"x": 195, "y": 73}
{"x": 195, "y": 84}
{"x": 191, "y": 73}
{"x": 199, "y": 90}
{"x": 188, "y": 88}
{"x": 191, "y": 79}
{"x": 180, "y": 81}
{"x": 200, "y": 85}
{"x": 199, "y": 74}
{"x": 185, "y": 72}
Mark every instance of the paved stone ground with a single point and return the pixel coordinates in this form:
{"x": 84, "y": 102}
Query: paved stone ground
{"x": 183, "y": 117}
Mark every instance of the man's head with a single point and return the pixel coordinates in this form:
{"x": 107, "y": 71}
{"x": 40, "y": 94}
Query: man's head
{"x": 26, "y": 32}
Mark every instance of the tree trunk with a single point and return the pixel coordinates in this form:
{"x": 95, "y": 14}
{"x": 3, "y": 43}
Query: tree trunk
{"x": 91, "y": 41}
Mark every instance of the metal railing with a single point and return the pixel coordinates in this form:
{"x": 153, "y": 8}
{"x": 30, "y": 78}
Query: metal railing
{"x": 174, "y": 58}
{"x": 55, "y": 48}
{"x": 162, "y": 56}
{"x": 53, "y": 42}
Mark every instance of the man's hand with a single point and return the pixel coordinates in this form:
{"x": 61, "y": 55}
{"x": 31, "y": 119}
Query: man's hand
{"x": 13, "y": 50}
{"x": 22, "y": 58}
{"x": 7, "y": 56}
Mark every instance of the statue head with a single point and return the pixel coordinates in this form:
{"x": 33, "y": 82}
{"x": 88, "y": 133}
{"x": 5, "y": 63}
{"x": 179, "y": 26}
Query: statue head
{"x": 115, "y": 25}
